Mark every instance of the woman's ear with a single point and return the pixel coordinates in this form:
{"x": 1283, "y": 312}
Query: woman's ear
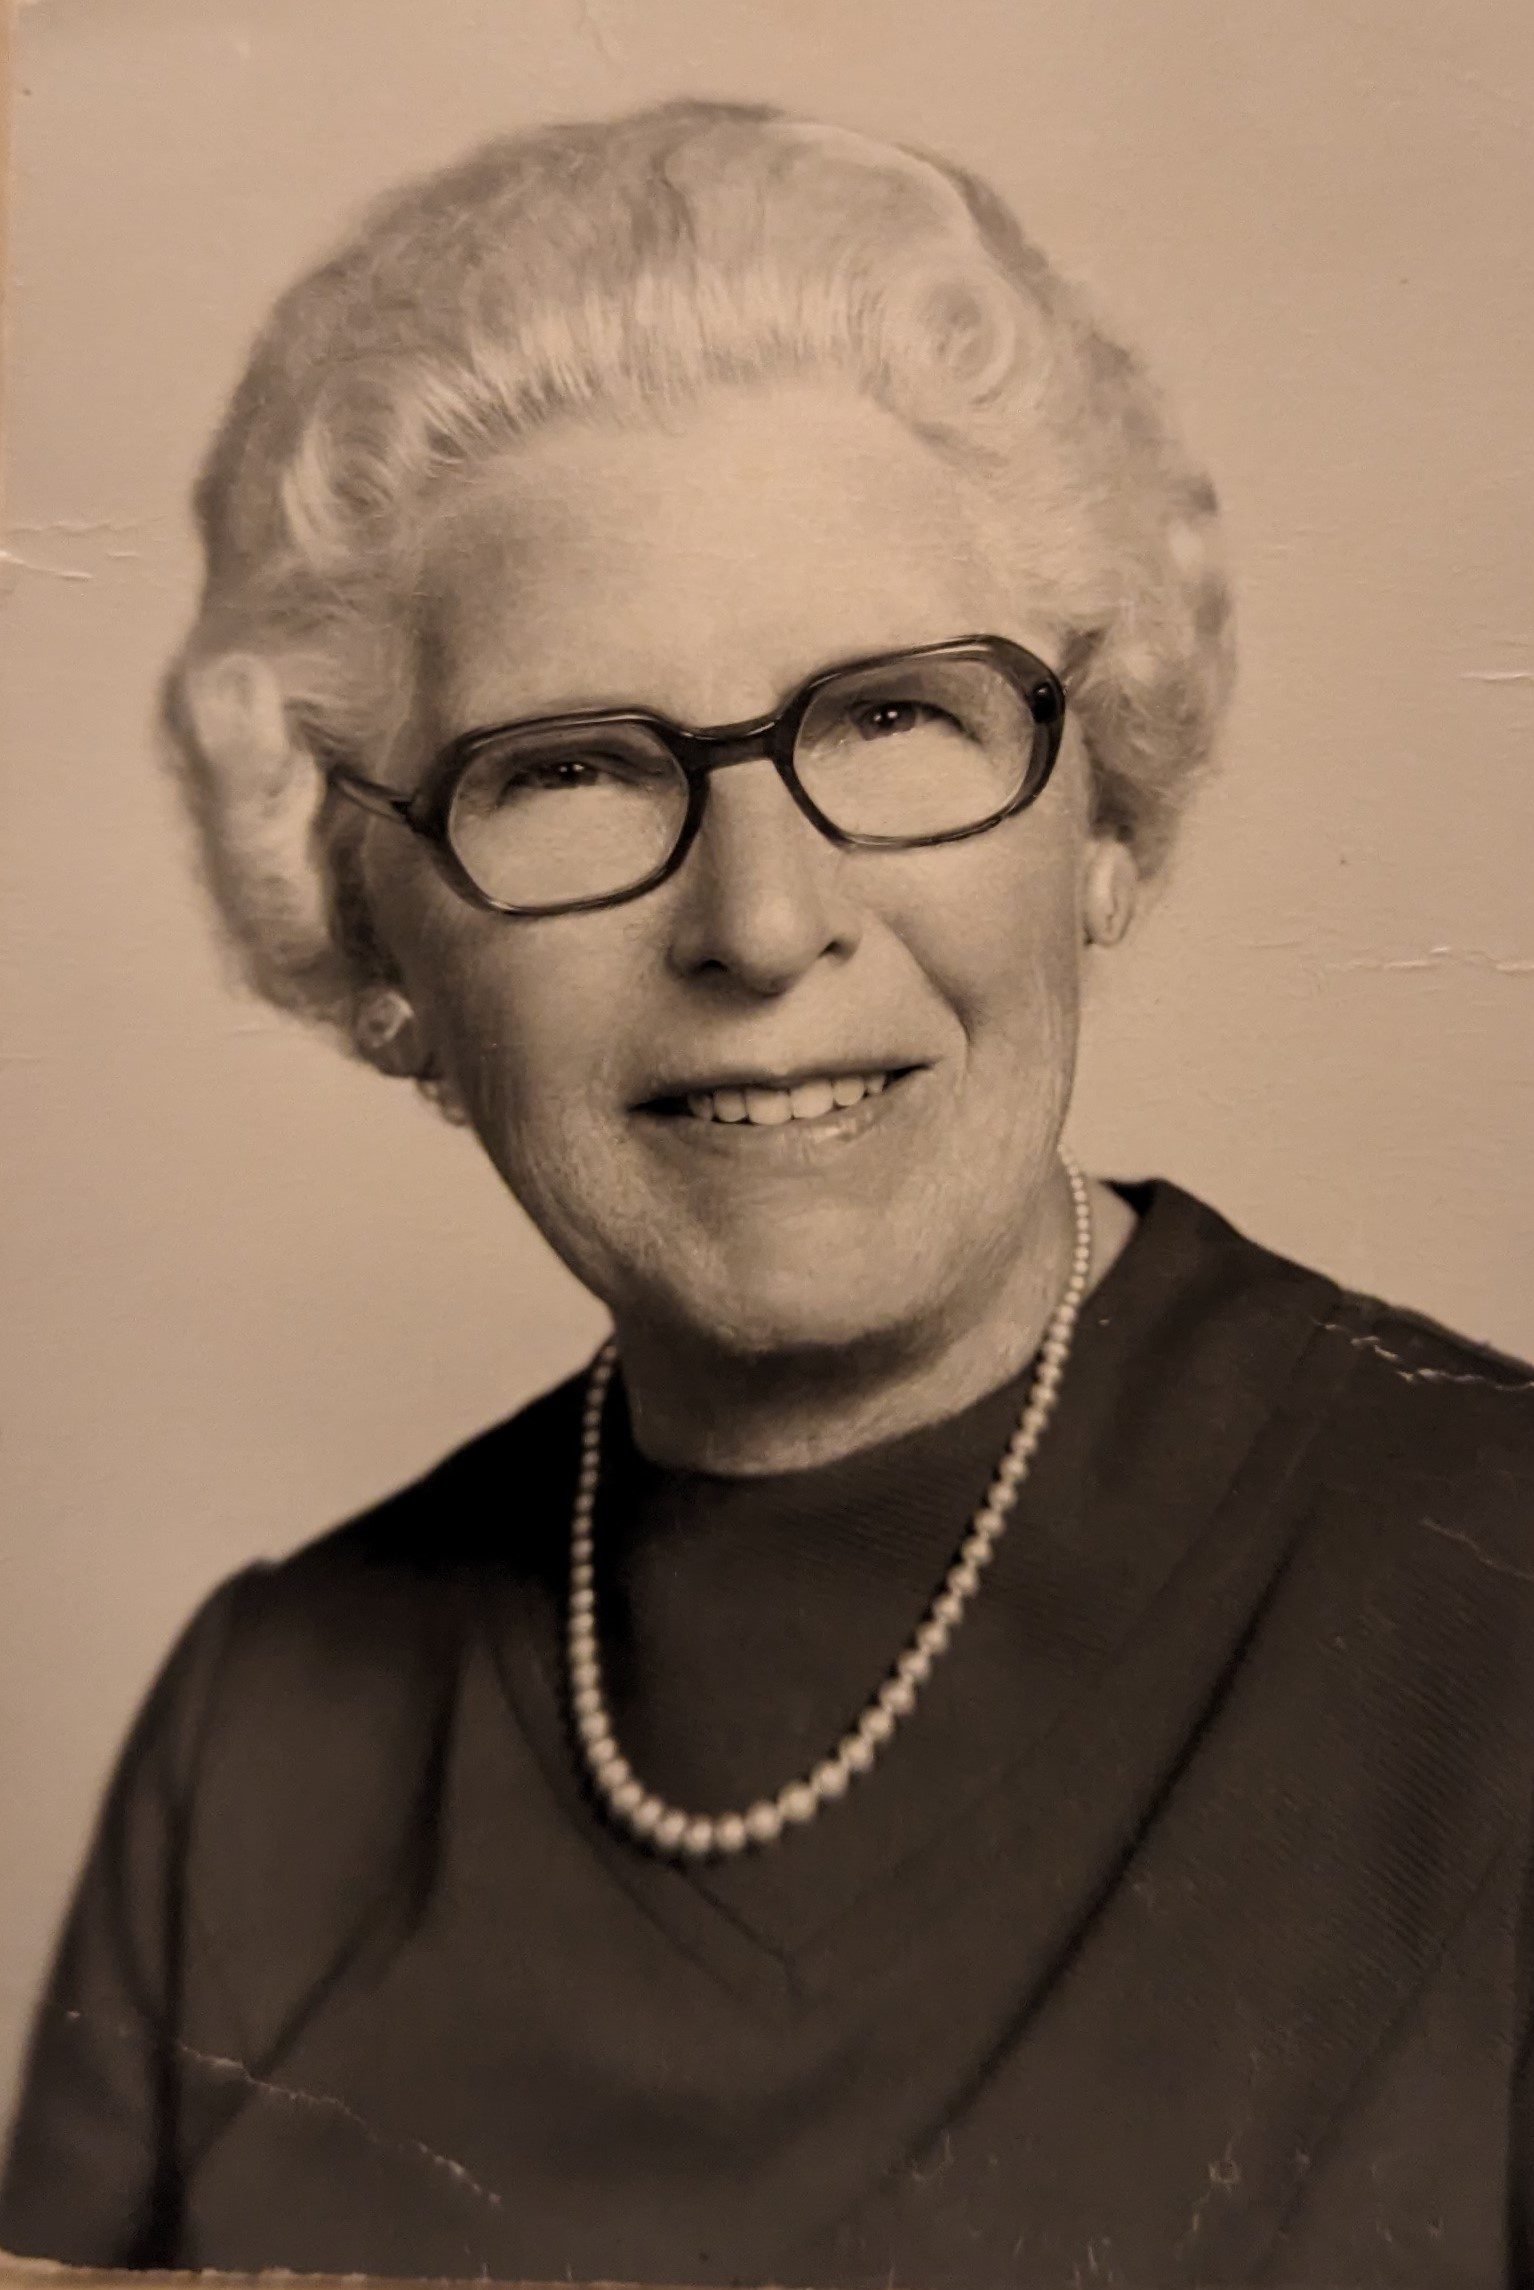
{"x": 1109, "y": 888}
{"x": 388, "y": 1033}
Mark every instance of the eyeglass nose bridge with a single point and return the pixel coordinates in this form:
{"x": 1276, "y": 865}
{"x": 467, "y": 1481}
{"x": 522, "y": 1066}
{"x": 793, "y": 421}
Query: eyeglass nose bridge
{"x": 705, "y": 752}
{"x": 763, "y": 739}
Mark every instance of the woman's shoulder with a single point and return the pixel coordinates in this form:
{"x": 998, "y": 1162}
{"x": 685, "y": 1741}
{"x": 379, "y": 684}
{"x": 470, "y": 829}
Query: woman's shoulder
{"x": 1432, "y": 1384}
{"x": 376, "y": 1608}
{"x": 1406, "y": 1608}
{"x": 308, "y": 1696}
{"x": 1407, "y": 1427}
{"x": 1390, "y": 1491}
{"x": 497, "y": 1496}
{"x": 1432, "y": 1435}
{"x": 1420, "y": 1439}
{"x": 1428, "y": 1381}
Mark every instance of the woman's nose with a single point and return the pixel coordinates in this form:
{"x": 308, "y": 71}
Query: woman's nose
{"x": 762, "y": 894}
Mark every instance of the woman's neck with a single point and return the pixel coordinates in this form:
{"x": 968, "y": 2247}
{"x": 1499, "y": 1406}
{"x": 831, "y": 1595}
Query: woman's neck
{"x": 703, "y": 1408}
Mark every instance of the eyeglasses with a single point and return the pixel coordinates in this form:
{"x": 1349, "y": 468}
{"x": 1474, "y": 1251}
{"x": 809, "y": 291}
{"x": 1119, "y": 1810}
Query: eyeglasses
{"x": 561, "y": 814}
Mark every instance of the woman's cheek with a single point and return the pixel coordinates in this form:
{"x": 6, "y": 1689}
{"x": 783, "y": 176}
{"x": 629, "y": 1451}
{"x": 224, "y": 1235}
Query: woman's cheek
{"x": 1007, "y": 955}
{"x": 530, "y": 1074}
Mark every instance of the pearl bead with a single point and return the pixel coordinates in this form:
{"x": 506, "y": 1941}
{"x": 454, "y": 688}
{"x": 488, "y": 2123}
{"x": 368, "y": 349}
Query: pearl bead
{"x": 898, "y": 1696}
{"x": 669, "y": 1829}
{"x": 857, "y": 1753}
{"x": 830, "y": 1779}
{"x": 915, "y": 1664}
{"x": 698, "y": 1837}
{"x": 798, "y": 1802}
{"x": 627, "y": 1796}
{"x": 964, "y": 1579}
{"x": 731, "y": 1834}
{"x": 876, "y": 1725}
{"x": 586, "y": 1700}
{"x": 646, "y": 1816}
{"x": 763, "y": 1823}
{"x": 932, "y": 1638}
{"x": 948, "y": 1607}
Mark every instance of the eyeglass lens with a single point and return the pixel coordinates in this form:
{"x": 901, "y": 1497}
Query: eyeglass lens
{"x": 580, "y": 812}
{"x": 923, "y": 747}
{"x": 913, "y": 749}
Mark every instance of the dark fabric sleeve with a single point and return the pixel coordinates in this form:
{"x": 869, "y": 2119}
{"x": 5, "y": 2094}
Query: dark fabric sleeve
{"x": 1521, "y": 2141}
{"x": 86, "y": 2175}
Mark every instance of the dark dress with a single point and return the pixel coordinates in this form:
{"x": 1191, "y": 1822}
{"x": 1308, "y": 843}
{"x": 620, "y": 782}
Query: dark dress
{"x": 1180, "y": 1937}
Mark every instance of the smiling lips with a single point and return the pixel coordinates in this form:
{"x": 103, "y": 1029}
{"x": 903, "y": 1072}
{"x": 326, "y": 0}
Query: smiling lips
{"x": 766, "y": 1107}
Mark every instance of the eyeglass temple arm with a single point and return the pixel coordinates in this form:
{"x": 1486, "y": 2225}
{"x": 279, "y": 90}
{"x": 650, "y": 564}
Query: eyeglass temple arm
{"x": 1080, "y": 650}
{"x": 387, "y": 802}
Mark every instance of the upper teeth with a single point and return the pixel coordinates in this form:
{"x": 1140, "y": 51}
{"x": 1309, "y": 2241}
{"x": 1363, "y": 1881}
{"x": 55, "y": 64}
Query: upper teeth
{"x": 806, "y": 1101}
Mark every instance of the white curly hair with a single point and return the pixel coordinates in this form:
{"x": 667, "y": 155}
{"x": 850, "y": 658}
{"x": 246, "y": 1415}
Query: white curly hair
{"x": 625, "y": 266}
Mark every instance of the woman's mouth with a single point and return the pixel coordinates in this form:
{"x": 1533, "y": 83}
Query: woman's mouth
{"x": 768, "y": 1104}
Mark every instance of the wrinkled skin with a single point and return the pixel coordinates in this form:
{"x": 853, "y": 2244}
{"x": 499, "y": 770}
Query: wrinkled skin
{"x": 779, "y": 1295}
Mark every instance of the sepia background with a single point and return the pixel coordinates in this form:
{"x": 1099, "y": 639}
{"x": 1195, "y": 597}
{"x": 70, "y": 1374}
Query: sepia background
{"x": 250, "y": 1287}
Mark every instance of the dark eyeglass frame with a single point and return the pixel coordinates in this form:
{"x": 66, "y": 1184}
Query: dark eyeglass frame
{"x": 699, "y": 753}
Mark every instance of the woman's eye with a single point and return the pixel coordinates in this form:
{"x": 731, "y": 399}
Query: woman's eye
{"x": 889, "y": 719}
{"x": 555, "y": 774}
{"x": 558, "y": 771}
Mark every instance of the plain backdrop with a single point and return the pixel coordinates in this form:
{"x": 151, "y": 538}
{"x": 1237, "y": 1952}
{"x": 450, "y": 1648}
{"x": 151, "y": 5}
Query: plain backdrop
{"x": 251, "y": 1287}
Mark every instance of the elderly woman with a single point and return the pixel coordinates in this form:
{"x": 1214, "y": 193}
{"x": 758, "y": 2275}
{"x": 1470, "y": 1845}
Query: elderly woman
{"x": 988, "y": 1738}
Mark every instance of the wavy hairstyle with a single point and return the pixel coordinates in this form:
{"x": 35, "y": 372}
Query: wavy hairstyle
{"x": 624, "y": 267}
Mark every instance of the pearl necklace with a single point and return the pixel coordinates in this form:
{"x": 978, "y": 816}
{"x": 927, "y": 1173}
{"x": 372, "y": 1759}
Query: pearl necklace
{"x": 699, "y": 1836}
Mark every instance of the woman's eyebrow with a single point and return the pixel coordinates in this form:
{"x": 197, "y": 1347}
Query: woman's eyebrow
{"x": 626, "y": 703}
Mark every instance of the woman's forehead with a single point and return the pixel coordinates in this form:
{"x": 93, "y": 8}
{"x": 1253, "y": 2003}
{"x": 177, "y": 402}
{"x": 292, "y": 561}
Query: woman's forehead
{"x": 705, "y": 567}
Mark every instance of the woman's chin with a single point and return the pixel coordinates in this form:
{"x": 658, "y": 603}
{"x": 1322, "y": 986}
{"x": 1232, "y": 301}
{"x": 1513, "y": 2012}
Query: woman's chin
{"x": 785, "y": 1308}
